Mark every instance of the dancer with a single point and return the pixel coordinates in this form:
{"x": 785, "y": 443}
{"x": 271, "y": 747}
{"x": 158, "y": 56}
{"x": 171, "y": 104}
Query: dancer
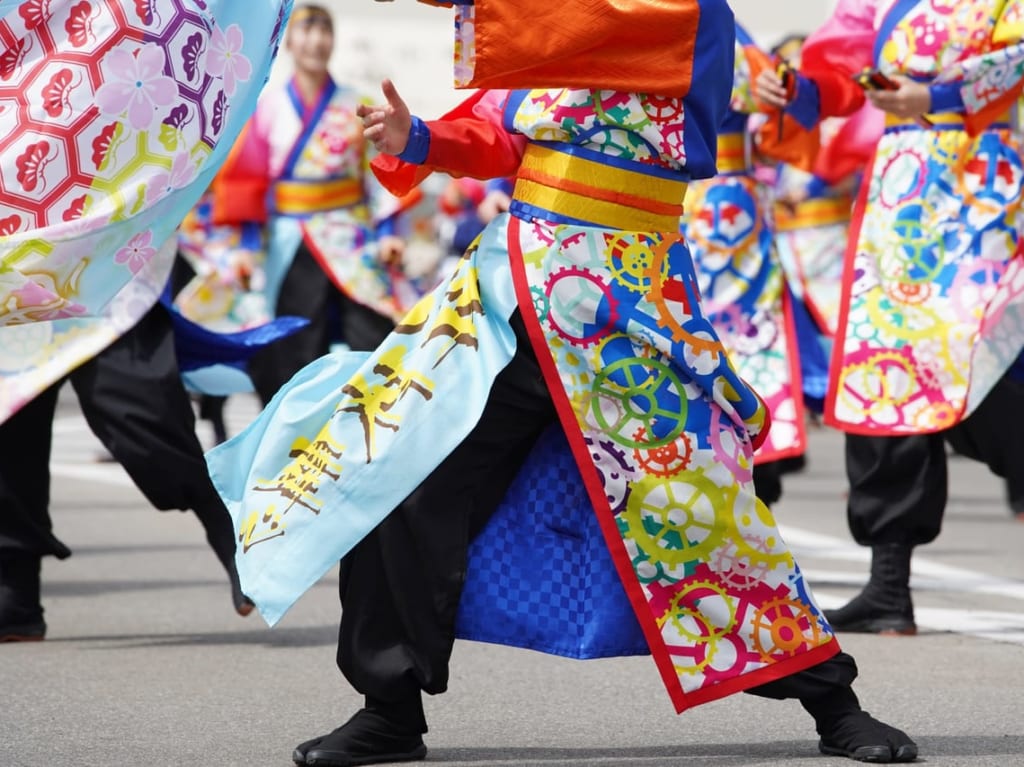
{"x": 98, "y": 171}
{"x": 932, "y": 316}
{"x": 296, "y": 205}
{"x": 599, "y": 329}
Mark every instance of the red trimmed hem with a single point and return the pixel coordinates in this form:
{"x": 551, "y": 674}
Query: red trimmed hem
{"x": 770, "y": 673}
{"x": 595, "y": 489}
{"x": 796, "y": 385}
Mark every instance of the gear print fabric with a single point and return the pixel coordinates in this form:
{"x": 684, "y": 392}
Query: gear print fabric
{"x": 933, "y": 311}
{"x": 117, "y": 114}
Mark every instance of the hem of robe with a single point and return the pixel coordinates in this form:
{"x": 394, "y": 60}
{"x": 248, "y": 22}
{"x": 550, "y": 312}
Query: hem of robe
{"x": 681, "y": 699}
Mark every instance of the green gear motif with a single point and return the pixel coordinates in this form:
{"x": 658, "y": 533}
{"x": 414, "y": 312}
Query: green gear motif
{"x": 675, "y": 520}
{"x": 635, "y": 401}
{"x": 541, "y": 304}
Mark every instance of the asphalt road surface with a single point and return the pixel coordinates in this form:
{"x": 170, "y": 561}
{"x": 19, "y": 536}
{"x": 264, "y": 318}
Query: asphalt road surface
{"x": 145, "y": 662}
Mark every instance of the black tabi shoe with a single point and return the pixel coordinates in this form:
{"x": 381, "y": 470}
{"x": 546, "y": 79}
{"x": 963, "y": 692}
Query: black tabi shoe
{"x": 863, "y": 738}
{"x": 884, "y": 606}
{"x": 220, "y": 534}
{"x": 847, "y": 730}
{"x": 366, "y": 738}
{"x": 21, "y": 613}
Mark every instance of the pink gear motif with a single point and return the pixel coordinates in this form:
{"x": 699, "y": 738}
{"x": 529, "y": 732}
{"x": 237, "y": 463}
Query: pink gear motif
{"x": 885, "y": 182}
{"x": 541, "y": 233}
{"x": 742, "y": 657}
{"x": 739, "y": 572}
{"x": 556, "y": 307}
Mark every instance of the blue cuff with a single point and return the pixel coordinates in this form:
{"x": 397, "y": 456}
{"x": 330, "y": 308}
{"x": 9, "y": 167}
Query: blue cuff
{"x": 946, "y": 97}
{"x": 418, "y": 146}
{"x": 805, "y": 107}
{"x": 816, "y": 187}
{"x": 386, "y": 228}
{"x": 499, "y": 185}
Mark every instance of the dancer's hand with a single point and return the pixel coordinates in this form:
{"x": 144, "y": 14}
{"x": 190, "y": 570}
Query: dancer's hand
{"x": 387, "y": 125}
{"x": 912, "y": 99}
{"x": 769, "y": 88}
{"x": 390, "y": 250}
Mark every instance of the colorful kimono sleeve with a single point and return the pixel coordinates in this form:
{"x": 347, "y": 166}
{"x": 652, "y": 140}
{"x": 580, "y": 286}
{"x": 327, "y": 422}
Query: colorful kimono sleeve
{"x": 240, "y": 188}
{"x": 838, "y": 50}
{"x": 468, "y": 141}
{"x": 631, "y": 45}
{"x": 991, "y": 82}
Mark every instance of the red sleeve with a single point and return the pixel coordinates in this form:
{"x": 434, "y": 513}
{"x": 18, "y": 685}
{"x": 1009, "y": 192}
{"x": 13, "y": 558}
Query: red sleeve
{"x": 468, "y": 141}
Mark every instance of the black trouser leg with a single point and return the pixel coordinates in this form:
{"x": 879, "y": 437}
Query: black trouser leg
{"x": 990, "y": 435}
{"x": 768, "y": 482}
{"x": 308, "y": 292}
{"x": 400, "y": 586}
{"x": 826, "y": 678}
{"x": 898, "y": 488}
{"x": 133, "y": 399}
{"x": 25, "y": 441}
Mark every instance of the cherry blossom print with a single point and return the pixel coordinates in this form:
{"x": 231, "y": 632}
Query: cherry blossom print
{"x": 30, "y": 165}
{"x": 57, "y": 92}
{"x": 136, "y": 84}
{"x": 225, "y": 58}
{"x": 138, "y": 252}
{"x": 10, "y": 224}
{"x": 180, "y": 175}
{"x": 79, "y": 24}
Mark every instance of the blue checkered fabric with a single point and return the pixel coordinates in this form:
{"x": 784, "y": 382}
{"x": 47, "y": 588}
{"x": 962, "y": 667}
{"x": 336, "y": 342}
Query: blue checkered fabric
{"x": 540, "y": 575}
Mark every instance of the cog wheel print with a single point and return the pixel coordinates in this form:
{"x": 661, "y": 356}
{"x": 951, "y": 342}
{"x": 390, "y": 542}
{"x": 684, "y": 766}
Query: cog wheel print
{"x": 698, "y": 651}
{"x": 632, "y": 262}
{"x": 708, "y": 600}
{"x": 743, "y": 564}
{"x": 581, "y": 308}
{"x": 784, "y": 627}
{"x": 673, "y": 313}
{"x": 634, "y": 389}
{"x": 884, "y": 380}
{"x": 918, "y": 254}
{"x": 664, "y": 460}
{"x": 663, "y": 110}
{"x": 540, "y": 303}
{"x": 675, "y": 521}
{"x": 903, "y": 177}
{"x": 614, "y": 468}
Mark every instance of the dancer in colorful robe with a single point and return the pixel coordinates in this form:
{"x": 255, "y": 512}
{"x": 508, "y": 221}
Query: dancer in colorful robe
{"x": 296, "y": 202}
{"x": 742, "y": 285}
{"x": 579, "y": 306}
{"x": 118, "y": 116}
{"x": 932, "y": 315}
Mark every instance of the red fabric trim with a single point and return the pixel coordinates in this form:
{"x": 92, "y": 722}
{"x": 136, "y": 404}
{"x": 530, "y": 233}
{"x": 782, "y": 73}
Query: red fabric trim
{"x": 835, "y": 364}
{"x": 595, "y": 489}
{"x": 796, "y": 384}
{"x": 770, "y": 673}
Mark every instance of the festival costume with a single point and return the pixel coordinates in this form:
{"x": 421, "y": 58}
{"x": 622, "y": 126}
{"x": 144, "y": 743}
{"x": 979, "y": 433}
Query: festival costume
{"x": 931, "y": 318}
{"x": 742, "y": 285}
{"x": 607, "y": 296}
{"x": 297, "y": 198}
{"x": 126, "y": 111}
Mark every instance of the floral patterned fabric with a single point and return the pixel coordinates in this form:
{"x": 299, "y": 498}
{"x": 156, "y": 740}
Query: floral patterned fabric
{"x": 119, "y": 113}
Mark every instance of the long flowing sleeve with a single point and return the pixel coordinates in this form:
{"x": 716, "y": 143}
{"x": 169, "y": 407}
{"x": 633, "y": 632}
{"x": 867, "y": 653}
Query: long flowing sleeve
{"x": 838, "y": 50}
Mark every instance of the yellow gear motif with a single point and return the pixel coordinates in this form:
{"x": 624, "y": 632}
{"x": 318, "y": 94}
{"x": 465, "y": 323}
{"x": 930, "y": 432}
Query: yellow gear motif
{"x": 913, "y": 323}
{"x": 884, "y": 395}
{"x": 784, "y": 626}
{"x": 697, "y": 646}
{"x": 677, "y": 612}
{"x": 632, "y": 263}
{"x": 675, "y": 520}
